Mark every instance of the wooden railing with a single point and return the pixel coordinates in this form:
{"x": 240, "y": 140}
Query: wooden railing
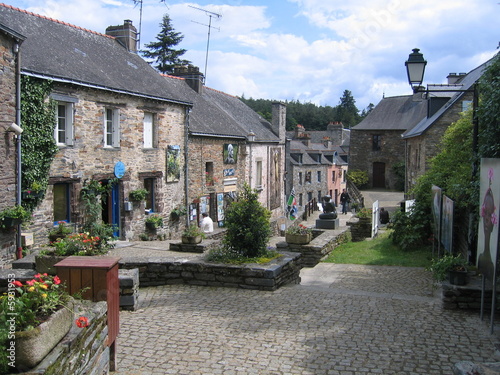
{"x": 309, "y": 208}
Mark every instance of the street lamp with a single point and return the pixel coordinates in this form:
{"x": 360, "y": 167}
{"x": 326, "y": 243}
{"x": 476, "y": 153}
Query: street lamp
{"x": 415, "y": 68}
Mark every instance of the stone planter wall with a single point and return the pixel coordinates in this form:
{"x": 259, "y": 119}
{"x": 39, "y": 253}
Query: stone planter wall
{"x": 466, "y": 297}
{"x": 360, "y": 228}
{"x": 320, "y": 247}
{"x": 271, "y": 276}
{"x": 82, "y": 350}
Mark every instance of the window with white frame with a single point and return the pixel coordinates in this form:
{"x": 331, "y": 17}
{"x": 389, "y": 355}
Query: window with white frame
{"x": 63, "y": 131}
{"x": 111, "y": 127}
{"x": 149, "y": 130}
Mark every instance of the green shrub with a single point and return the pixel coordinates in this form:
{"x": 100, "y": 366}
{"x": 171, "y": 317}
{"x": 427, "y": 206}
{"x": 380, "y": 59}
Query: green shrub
{"x": 358, "y": 178}
{"x": 442, "y": 266}
{"x": 248, "y": 228}
{"x": 411, "y": 229}
{"x": 138, "y": 195}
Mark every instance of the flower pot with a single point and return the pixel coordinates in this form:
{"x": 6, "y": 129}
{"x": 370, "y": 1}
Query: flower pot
{"x": 32, "y": 346}
{"x": 45, "y": 263}
{"x": 298, "y": 239}
{"x": 457, "y": 277}
{"x": 151, "y": 226}
{"x": 192, "y": 240}
{"x": 11, "y": 221}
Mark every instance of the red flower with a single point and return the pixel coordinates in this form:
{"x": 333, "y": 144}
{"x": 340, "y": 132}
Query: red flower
{"x": 57, "y": 280}
{"x": 18, "y": 283}
{"x": 82, "y": 322}
{"x": 30, "y": 282}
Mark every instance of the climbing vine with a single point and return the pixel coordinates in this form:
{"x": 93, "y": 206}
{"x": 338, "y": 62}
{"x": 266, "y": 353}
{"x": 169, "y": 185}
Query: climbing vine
{"x": 38, "y": 145}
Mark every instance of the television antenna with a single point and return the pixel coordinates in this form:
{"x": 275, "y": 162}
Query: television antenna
{"x": 139, "y": 2}
{"x": 210, "y": 15}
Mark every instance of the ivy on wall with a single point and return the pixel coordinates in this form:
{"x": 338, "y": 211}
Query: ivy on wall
{"x": 38, "y": 145}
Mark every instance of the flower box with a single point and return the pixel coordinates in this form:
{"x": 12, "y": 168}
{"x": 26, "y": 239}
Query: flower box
{"x": 298, "y": 239}
{"x": 33, "y": 345}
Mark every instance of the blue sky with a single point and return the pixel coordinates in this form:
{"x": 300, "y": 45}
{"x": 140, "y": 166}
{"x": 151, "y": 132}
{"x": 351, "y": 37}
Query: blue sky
{"x": 307, "y": 50}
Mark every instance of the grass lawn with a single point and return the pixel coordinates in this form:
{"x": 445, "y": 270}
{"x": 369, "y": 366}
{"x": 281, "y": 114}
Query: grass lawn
{"x": 379, "y": 251}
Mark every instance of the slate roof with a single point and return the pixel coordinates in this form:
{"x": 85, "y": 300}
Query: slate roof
{"x": 466, "y": 83}
{"x": 67, "y": 53}
{"x": 217, "y": 114}
{"x": 394, "y": 113}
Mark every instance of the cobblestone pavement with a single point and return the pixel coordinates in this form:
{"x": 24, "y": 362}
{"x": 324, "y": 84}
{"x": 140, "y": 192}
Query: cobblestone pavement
{"x": 354, "y": 320}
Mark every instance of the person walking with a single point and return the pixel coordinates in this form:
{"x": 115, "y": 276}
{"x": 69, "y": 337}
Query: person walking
{"x": 345, "y": 199}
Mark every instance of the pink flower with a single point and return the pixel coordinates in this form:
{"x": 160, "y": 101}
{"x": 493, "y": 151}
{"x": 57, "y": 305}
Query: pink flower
{"x": 18, "y": 283}
{"x": 57, "y": 281}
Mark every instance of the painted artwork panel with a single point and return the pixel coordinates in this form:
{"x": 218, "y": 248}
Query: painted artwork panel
{"x": 173, "y": 163}
{"x": 436, "y": 210}
{"x": 489, "y": 195}
{"x": 275, "y": 189}
{"x": 447, "y": 224}
{"x": 230, "y": 153}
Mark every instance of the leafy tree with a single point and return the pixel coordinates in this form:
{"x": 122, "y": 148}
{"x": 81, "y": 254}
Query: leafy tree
{"x": 489, "y": 110}
{"x": 347, "y": 111}
{"x": 358, "y": 178}
{"x": 248, "y": 226}
{"x": 162, "y": 51}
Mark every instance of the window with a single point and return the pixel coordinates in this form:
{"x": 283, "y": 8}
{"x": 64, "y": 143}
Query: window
{"x": 333, "y": 176}
{"x": 377, "y": 142}
{"x": 344, "y": 176}
{"x": 308, "y": 177}
{"x": 63, "y": 132}
{"x": 319, "y": 176}
{"x": 300, "y": 199}
{"x": 112, "y": 128}
{"x": 258, "y": 180}
{"x": 209, "y": 174}
{"x": 319, "y": 195}
{"x": 300, "y": 178}
{"x": 61, "y": 202}
{"x": 309, "y": 196}
{"x": 149, "y": 130}
{"x": 149, "y": 185}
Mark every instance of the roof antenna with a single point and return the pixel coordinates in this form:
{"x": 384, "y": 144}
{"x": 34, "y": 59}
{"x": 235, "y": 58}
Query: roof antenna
{"x": 140, "y": 20}
{"x": 210, "y": 15}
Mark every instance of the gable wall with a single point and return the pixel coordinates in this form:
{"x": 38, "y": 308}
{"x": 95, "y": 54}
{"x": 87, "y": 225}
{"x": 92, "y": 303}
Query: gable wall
{"x": 362, "y": 156}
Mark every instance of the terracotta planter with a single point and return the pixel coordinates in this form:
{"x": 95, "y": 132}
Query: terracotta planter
{"x": 298, "y": 239}
{"x": 45, "y": 263}
{"x": 191, "y": 240}
{"x": 32, "y": 346}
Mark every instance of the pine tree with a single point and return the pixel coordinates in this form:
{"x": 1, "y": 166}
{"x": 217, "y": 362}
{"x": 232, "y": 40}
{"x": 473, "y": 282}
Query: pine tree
{"x": 166, "y": 57}
{"x": 347, "y": 111}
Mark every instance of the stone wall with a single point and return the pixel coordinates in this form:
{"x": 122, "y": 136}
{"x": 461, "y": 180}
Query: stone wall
{"x": 88, "y": 158}
{"x": 83, "y": 351}
{"x": 361, "y": 229}
{"x": 362, "y": 156}
{"x": 466, "y": 297}
{"x": 7, "y": 141}
{"x": 156, "y": 271}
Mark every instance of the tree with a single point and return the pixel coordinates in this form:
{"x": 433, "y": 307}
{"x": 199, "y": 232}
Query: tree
{"x": 489, "y": 108}
{"x": 162, "y": 51}
{"x": 347, "y": 111}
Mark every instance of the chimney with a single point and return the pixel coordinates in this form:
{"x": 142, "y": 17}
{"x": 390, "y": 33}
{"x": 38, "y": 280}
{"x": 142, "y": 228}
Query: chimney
{"x": 455, "y": 78}
{"x": 194, "y": 78}
{"x": 279, "y": 120}
{"x": 125, "y": 34}
{"x": 335, "y": 129}
{"x": 299, "y": 131}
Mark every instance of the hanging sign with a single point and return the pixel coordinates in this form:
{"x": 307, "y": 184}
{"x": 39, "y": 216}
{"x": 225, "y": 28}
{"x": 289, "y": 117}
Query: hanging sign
{"x": 119, "y": 169}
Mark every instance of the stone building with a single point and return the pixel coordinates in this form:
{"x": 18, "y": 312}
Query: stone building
{"x": 117, "y": 120}
{"x": 317, "y": 163}
{"x": 230, "y": 144}
{"x": 443, "y": 108}
{"x": 376, "y": 144}
{"x": 10, "y": 43}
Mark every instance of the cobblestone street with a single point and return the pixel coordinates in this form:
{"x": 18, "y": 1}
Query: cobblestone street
{"x": 338, "y": 321}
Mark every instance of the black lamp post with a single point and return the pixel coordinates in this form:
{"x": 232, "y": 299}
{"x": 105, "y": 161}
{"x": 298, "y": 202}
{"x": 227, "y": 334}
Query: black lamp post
{"x": 415, "y": 68}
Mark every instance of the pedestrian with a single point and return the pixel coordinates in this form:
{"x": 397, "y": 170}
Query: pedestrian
{"x": 345, "y": 199}
{"x": 384, "y": 216}
{"x": 206, "y": 224}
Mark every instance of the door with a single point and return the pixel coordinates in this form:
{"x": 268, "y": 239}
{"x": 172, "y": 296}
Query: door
{"x": 111, "y": 209}
{"x": 379, "y": 175}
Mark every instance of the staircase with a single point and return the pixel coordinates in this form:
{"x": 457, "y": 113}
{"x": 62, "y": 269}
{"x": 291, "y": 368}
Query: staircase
{"x": 355, "y": 194}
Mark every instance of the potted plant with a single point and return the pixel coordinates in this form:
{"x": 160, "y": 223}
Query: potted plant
{"x": 192, "y": 235}
{"x": 354, "y": 207}
{"x": 138, "y": 195}
{"x": 35, "y": 191}
{"x": 453, "y": 267}
{"x": 154, "y": 221}
{"x": 60, "y": 231}
{"x": 298, "y": 234}
{"x": 13, "y": 216}
{"x": 365, "y": 214}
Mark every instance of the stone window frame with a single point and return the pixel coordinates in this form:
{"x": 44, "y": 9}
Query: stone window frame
{"x": 157, "y": 177}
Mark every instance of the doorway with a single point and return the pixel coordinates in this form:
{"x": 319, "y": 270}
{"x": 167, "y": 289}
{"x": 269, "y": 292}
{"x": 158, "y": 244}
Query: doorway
{"x": 379, "y": 175}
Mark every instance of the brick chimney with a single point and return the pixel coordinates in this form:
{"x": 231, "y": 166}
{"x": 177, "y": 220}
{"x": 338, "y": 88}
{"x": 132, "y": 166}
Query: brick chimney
{"x": 125, "y": 34}
{"x": 194, "y": 78}
{"x": 279, "y": 120}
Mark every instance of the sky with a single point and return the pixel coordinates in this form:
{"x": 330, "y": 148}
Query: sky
{"x": 306, "y": 50}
